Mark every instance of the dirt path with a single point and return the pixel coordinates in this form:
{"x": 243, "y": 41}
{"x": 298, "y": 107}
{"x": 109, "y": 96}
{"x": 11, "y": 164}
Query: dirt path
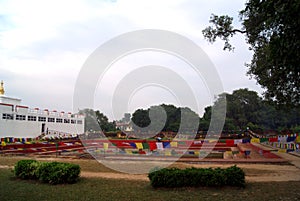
{"x": 254, "y": 172}
{"x": 110, "y": 175}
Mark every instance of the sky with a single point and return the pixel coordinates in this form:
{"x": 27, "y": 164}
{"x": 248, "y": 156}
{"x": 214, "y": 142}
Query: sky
{"x": 44, "y": 45}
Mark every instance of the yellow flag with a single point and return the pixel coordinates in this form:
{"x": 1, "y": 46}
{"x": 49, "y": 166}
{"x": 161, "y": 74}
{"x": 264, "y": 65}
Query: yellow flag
{"x": 105, "y": 146}
{"x": 255, "y": 140}
{"x": 128, "y": 151}
{"x": 174, "y": 144}
{"x": 139, "y": 145}
{"x": 281, "y": 150}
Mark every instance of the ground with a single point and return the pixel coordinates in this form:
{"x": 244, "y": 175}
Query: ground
{"x": 255, "y": 172}
{"x": 264, "y": 181}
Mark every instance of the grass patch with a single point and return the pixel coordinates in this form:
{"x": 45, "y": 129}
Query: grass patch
{"x": 12, "y": 189}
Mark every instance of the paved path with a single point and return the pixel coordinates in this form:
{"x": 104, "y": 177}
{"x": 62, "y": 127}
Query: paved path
{"x": 293, "y": 159}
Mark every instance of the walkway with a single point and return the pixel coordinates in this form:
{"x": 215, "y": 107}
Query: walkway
{"x": 293, "y": 159}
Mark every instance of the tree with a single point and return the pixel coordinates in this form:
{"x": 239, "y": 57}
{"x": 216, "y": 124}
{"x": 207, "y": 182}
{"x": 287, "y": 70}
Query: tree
{"x": 205, "y": 120}
{"x": 246, "y": 109}
{"x": 141, "y": 119}
{"x": 172, "y": 122}
{"x": 272, "y": 30}
{"x": 94, "y": 120}
{"x": 104, "y": 123}
{"x": 90, "y": 120}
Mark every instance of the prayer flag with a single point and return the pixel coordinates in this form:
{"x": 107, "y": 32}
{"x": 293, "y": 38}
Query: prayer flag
{"x": 139, "y": 145}
{"x": 132, "y": 144}
{"x": 166, "y": 144}
{"x": 145, "y": 145}
{"x": 152, "y": 146}
{"x": 159, "y": 145}
{"x": 256, "y": 140}
{"x": 105, "y": 146}
{"x": 174, "y": 144}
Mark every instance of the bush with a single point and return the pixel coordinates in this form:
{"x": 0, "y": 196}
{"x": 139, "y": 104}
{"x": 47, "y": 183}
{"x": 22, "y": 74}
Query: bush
{"x": 58, "y": 173}
{"x": 235, "y": 176}
{"x": 195, "y": 177}
{"x": 26, "y": 169}
{"x": 48, "y": 172}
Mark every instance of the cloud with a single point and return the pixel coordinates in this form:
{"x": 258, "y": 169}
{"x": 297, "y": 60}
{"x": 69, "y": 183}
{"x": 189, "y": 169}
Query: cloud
{"x": 43, "y": 44}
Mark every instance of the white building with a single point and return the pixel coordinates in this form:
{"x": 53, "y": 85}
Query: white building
{"x": 20, "y": 121}
{"x": 125, "y": 123}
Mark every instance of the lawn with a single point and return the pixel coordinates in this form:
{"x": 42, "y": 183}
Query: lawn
{"x": 86, "y": 189}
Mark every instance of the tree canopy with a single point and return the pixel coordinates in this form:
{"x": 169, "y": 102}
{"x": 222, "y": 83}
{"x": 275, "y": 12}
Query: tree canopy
{"x": 94, "y": 120}
{"x": 172, "y": 122}
{"x": 271, "y": 28}
{"x": 246, "y": 109}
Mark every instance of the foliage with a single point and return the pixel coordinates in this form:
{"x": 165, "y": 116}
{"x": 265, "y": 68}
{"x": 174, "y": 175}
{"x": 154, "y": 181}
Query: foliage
{"x": 271, "y": 29}
{"x": 235, "y": 176}
{"x": 26, "y": 169}
{"x": 48, "y": 172}
{"x": 58, "y": 173}
{"x": 175, "y": 117}
{"x": 94, "y": 120}
{"x": 140, "y": 118}
{"x": 195, "y": 177}
{"x": 246, "y": 109}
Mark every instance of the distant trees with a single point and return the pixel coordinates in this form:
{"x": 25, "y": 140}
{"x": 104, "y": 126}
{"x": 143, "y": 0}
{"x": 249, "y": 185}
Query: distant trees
{"x": 141, "y": 118}
{"x": 94, "y": 120}
{"x": 246, "y": 109}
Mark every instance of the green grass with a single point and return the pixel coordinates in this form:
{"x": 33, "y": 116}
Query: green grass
{"x": 87, "y": 189}
{"x": 112, "y": 189}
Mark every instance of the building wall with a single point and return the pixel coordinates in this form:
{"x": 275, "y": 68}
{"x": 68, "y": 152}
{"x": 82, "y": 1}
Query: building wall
{"x": 19, "y": 126}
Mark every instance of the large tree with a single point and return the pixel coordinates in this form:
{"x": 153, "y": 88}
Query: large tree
{"x": 172, "y": 122}
{"x": 272, "y": 30}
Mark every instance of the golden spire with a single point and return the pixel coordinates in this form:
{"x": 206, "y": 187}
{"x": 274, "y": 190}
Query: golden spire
{"x": 1, "y": 88}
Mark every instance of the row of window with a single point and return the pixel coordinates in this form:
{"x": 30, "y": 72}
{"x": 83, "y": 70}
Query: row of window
{"x": 41, "y": 119}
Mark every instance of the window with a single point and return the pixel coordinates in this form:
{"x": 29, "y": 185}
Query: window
{"x": 20, "y": 117}
{"x": 7, "y": 116}
{"x": 42, "y": 118}
{"x": 73, "y": 121}
{"x": 51, "y": 119}
{"x": 79, "y": 121}
{"x": 58, "y": 120}
{"x": 67, "y": 121}
{"x": 31, "y": 118}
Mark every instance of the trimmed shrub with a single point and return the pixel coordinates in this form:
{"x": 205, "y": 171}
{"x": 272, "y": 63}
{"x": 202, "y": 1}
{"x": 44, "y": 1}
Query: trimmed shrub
{"x": 235, "y": 176}
{"x": 26, "y": 169}
{"x": 58, "y": 173}
{"x": 195, "y": 177}
{"x": 47, "y": 172}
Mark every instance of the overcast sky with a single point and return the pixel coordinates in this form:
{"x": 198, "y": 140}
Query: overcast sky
{"x": 44, "y": 44}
